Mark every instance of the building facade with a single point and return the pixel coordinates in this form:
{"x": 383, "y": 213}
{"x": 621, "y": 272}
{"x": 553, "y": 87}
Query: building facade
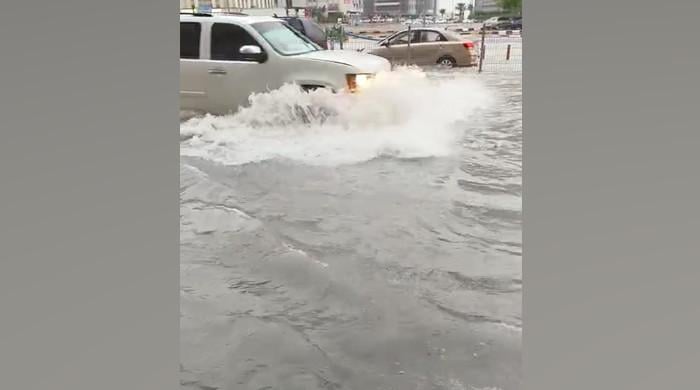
{"x": 399, "y": 7}
{"x": 394, "y": 7}
{"x": 237, "y": 5}
{"x": 263, "y": 7}
{"x": 345, "y": 7}
{"x": 487, "y": 6}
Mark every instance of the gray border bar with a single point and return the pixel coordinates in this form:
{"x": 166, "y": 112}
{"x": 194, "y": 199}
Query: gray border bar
{"x": 89, "y": 210}
{"x": 611, "y": 192}
{"x": 88, "y": 287}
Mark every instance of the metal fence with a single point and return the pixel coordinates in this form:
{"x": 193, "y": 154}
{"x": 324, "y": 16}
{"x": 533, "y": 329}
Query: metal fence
{"x": 498, "y": 51}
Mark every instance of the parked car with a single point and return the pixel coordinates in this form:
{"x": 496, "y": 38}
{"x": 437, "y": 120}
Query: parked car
{"x": 429, "y": 46}
{"x": 494, "y": 21}
{"x": 224, "y": 58}
{"x": 309, "y": 28}
{"x": 512, "y": 24}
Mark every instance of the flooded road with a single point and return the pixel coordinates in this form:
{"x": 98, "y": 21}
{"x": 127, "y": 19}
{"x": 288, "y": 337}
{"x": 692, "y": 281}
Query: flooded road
{"x": 360, "y": 242}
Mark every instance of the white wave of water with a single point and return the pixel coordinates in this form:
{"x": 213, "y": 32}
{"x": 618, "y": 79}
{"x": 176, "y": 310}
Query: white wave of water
{"x": 404, "y": 114}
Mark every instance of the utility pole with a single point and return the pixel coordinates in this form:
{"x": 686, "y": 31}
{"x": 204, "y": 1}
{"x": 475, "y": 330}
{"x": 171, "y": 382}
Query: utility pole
{"x": 409, "y": 37}
{"x": 482, "y": 48}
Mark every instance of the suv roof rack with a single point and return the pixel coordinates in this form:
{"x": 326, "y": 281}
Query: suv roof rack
{"x": 210, "y": 15}
{"x": 196, "y": 14}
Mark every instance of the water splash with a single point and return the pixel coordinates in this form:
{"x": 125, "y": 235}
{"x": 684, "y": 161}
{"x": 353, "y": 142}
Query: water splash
{"x": 404, "y": 114}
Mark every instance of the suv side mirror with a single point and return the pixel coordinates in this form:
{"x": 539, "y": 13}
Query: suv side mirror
{"x": 253, "y": 52}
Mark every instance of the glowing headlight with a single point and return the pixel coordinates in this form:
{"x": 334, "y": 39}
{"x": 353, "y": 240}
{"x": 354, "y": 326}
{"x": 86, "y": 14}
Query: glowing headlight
{"x": 358, "y": 81}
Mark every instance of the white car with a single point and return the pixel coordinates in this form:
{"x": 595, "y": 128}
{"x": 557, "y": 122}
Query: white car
{"x": 226, "y": 58}
{"x": 491, "y": 21}
{"x": 495, "y": 20}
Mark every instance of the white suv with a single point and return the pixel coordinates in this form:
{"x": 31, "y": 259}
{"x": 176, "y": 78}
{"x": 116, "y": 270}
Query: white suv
{"x": 225, "y": 58}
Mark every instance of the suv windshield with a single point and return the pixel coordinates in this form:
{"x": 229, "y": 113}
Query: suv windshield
{"x": 284, "y": 39}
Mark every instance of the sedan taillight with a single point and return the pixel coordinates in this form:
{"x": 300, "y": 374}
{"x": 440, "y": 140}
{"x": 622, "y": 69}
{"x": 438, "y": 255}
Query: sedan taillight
{"x": 468, "y": 45}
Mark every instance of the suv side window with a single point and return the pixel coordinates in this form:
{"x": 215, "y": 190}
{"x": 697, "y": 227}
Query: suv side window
{"x": 190, "y": 33}
{"x": 227, "y": 40}
{"x": 297, "y": 24}
{"x": 314, "y": 32}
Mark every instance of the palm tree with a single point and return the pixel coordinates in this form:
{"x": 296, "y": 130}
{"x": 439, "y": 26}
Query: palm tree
{"x": 512, "y": 6}
{"x": 460, "y": 8}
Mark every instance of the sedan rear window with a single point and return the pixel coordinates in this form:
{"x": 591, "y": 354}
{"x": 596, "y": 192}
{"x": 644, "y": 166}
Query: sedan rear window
{"x": 450, "y": 36}
{"x": 432, "y": 36}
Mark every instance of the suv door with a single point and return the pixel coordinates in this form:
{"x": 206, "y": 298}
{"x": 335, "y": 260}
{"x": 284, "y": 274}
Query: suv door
{"x": 232, "y": 76}
{"x": 193, "y": 73}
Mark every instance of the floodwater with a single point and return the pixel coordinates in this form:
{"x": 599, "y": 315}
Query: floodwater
{"x": 365, "y": 242}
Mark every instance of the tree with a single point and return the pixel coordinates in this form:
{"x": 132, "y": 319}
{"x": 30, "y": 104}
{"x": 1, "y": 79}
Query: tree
{"x": 317, "y": 13}
{"x": 442, "y": 12}
{"x": 460, "y": 9}
{"x": 513, "y": 6}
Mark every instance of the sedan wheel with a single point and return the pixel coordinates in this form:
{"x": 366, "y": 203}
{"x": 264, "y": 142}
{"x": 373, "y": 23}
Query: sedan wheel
{"x": 447, "y": 62}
